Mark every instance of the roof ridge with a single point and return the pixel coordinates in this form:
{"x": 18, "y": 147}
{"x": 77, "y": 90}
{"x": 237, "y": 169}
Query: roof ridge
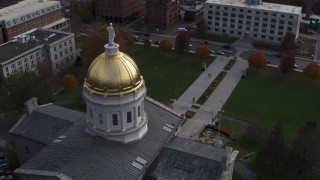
{"x": 162, "y": 106}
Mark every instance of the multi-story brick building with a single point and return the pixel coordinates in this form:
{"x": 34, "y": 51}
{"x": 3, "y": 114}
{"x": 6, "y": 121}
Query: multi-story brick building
{"x": 162, "y": 13}
{"x": 252, "y": 19}
{"x": 118, "y": 11}
{"x": 30, "y": 14}
{"x": 24, "y": 52}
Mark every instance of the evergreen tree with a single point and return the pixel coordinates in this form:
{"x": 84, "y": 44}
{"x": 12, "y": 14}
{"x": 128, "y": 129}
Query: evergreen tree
{"x": 272, "y": 155}
{"x": 20, "y": 87}
{"x": 303, "y": 160}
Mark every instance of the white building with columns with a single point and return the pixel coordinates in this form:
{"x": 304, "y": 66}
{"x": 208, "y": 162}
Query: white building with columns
{"x": 252, "y": 19}
{"x": 114, "y": 91}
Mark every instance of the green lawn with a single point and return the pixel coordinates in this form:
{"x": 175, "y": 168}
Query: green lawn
{"x": 267, "y": 98}
{"x": 168, "y": 75}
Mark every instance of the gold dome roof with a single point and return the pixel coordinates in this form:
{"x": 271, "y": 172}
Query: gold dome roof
{"x": 113, "y": 75}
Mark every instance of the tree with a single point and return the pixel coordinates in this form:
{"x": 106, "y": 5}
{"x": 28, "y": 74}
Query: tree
{"x": 312, "y": 71}
{"x": 165, "y": 45}
{"x": 258, "y": 60}
{"x": 69, "y": 81}
{"x": 203, "y": 52}
{"x": 45, "y": 69}
{"x": 202, "y": 28}
{"x": 289, "y": 42}
{"x": 182, "y": 42}
{"x": 86, "y": 11}
{"x": 287, "y": 63}
{"x": 304, "y": 157}
{"x": 93, "y": 45}
{"x": 20, "y": 87}
{"x": 147, "y": 42}
{"x": 272, "y": 155}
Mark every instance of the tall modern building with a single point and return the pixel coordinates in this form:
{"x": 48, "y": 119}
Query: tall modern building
{"x": 162, "y": 13}
{"x": 119, "y": 11}
{"x": 30, "y": 14}
{"x": 252, "y": 19}
{"x": 123, "y": 135}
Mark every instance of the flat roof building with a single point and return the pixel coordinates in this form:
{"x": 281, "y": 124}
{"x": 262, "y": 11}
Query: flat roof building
{"x": 162, "y": 13}
{"x": 254, "y": 20}
{"x": 30, "y": 14}
{"x": 27, "y": 50}
{"x": 119, "y": 11}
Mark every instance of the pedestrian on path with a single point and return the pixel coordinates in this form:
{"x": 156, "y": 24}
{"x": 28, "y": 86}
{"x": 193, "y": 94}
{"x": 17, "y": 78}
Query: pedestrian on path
{"x": 193, "y": 100}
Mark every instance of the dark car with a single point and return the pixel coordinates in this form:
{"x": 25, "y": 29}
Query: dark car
{"x": 157, "y": 42}
{"x": 226, "y": 46}
{"x": 204, "y": 43}
{"x": 147, "y": 34}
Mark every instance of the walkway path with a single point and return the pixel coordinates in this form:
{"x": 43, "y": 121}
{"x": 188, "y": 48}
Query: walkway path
{"x": 214, "y": 103}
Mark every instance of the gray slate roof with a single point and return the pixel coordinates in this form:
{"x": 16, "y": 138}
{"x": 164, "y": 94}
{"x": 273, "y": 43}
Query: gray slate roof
{"x": 82, "y": 156}
{"x": 41, "y": 36}
{"x": 188, "y": 160}
{"x": 46, "y": 123}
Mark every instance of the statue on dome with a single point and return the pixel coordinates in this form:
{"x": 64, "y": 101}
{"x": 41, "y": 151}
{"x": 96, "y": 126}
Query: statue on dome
{"x": 111, "y": 34}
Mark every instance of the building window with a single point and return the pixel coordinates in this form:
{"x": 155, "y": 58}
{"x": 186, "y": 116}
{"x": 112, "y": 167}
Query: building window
{"x": 55, "y": 49}
{"x": 209, "y": 17}
{"x": 100, "y": 119}
{"x": 26, "y": 148}
{"x": 233, "y": 9}
{"x": 249, "y": 11}
{"x": 115, "y": 119}
{"x": 241, "y": 10}
{"x": 263, "y": 36}
{"x": 129, "y": 118}
{"x": 60, "y": 46}
{"x": 218, "y": 7}
{"x": 138, "y": 111}
{"x": 225, "y": 8}
{"x": 209, "y": 12}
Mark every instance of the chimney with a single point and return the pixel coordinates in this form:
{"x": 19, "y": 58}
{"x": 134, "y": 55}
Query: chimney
{"x": 31, "y": 105}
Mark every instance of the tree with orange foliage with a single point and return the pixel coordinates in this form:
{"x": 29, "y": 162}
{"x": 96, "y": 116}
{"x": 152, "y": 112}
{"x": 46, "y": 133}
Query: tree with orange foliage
{"x": 69, "y": 81}
{"x": 258, "y": 60}
{"x": 312, "y": 71}
{"x": 203, "y": 52}
{"x": 165, "y": 45}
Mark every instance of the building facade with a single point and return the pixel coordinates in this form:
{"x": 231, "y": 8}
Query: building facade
{"x": 120, "y": 11}
{"x": 30, "y": 14}
{"x": 26, "y": 51}
{"x": 254, "y": 20}
{"x": 162, "y": 13}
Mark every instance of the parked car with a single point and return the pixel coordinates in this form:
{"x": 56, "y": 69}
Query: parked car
{"x": 220, "y": 53}
{"x": 147, "y": 34}
{"x": 227, "y": 46}
{"x": 204, "y": 43}
{"x": 227, "y": 51}
{"x": 269, "y": 62}
{"x": 296, "y": 66}
{"x": 212, "y": 51}
{"x": 4, "y": 165}
{"x": 157, "y": 42}
{"x": 6, "y": 177}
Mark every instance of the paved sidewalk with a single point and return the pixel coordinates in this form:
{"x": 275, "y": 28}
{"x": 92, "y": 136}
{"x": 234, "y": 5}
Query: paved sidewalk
{"x": 214, "y": 103}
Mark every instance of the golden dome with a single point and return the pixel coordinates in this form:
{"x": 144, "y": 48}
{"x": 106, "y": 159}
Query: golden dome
{"x": 113, "y": 75}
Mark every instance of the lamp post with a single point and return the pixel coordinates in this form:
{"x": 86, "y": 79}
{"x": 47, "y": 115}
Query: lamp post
{"x": 220, "y": 119}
